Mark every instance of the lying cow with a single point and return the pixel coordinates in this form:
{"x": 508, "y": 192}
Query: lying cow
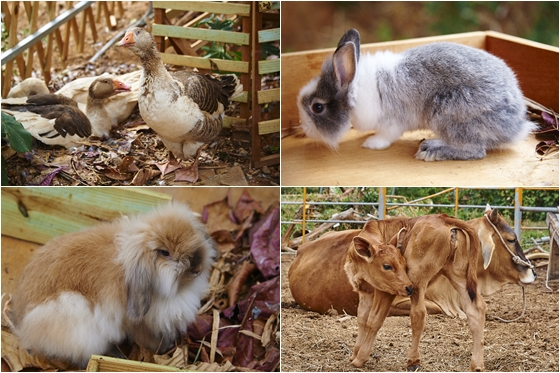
{"x": 318, "y": 283}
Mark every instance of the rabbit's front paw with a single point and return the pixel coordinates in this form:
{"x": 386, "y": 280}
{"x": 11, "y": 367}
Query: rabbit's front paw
{"x": 376, "y": 142}
{"x": 438, "y": 150}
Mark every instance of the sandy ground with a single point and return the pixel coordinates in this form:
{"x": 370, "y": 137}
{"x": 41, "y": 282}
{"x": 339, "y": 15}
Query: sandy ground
{"x": 314, "y": 342}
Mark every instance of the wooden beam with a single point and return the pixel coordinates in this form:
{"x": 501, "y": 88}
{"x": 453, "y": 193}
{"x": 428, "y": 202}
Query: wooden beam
{"x": 33, "y": 13}
{"x": 99, "y": 363}
{"x": 12, "y": 40}
{"x": 178, "y": 44}
{"x": 228, "y": 121}
{"x": 243, "y": 98}
{"x": 159, "y": 18}
{"x": 81, "y": 42}
{"x": 269, "y": 66}
{"x": 204, "y": 6}
{"x": 200, "y": 34}
{"x": 51, "y": 212}
{"x": 205, "y": 63}
{"x": 269, "y": 126}
{"x": 269, "y": 35}
{"x": 246, "y": 27}
{"x": 93, "y": 28}
{"x": 268, "y": 160}
{"x": 256, "y": 80}
{"x": 270, "y": 95}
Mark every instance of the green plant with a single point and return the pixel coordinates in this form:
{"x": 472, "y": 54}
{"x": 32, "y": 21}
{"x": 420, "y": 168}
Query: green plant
{"x": 269, "y": 49}
{"x": 215, "y": 49}
{"x": 480, "y": 197}
{"x": 20, "y": 140}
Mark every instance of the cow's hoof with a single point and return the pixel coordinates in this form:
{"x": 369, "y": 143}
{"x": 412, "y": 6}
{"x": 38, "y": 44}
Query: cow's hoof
{"x": 357, "y": 363}
{"x": 477, "y": 367}
{"x": 413, "y": 368}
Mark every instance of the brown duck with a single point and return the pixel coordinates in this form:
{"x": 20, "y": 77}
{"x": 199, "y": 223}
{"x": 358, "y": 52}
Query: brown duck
{"x": 57, "y": 120}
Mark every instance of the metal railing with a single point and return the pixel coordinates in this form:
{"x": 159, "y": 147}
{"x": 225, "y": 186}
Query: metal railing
{"x": 50, "y": 27}
{"x": 383, "y": 206}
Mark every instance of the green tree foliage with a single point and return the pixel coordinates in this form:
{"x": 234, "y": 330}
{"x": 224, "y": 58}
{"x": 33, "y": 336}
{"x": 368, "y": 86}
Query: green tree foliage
{"x": 496, "y": 198}
{"x": 459, "y": 16}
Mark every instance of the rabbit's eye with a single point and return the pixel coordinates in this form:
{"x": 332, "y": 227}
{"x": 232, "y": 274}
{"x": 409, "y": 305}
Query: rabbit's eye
{"x": 164, "y": 253}
{"x": 318, "y": 108}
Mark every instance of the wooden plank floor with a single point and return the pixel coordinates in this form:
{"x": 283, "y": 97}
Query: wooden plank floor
{"x": 306, "y": 163}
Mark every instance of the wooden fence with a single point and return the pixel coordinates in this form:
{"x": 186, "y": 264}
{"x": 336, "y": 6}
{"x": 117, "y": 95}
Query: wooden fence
{"x": 185, "y": 39}
{"x": 71, "y": 35}
{"x": 250, "y": 68}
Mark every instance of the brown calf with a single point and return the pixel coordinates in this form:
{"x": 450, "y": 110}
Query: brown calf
{"x": 433, "y": 245}
{"x": 377, "y": 273}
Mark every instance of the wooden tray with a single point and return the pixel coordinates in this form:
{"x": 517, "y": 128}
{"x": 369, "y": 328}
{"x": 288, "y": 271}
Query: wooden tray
{"x": 305, "y": 162}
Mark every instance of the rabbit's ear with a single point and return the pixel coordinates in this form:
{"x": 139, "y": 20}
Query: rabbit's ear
{"x": 344, "y": 65}
{"x": 351, "y": 36}
{"x": 139, "y": 275}
{"x": 139, "y": 292}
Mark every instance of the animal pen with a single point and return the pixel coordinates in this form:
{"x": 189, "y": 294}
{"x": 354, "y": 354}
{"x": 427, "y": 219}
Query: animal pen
{"x": 314, "y": 341}
{"x": 49, "y": 45}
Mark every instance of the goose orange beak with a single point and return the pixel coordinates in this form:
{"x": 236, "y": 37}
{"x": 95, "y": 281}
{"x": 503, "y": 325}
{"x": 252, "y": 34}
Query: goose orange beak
{"x": 127, "y": 40}
{"x": 120, "y": 87}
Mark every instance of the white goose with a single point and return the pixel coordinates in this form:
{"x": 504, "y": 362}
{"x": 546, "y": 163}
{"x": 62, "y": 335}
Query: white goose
{"x": 184, "y": 108}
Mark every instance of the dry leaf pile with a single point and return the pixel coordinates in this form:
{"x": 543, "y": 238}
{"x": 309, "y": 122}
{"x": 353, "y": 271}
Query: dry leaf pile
{"x": 238, "y": 327}
{"x": 245, "y": 287}
{"x": 134, "y": 155}
{"x": 547, "y": 122}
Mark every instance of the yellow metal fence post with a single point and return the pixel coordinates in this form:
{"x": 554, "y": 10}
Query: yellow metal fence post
{"x": 303, "y": 216}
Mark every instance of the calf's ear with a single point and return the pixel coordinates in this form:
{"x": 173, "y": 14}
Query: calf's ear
{"x": 398, "y": 239}
{"x": 363, "y": 247}
{"x": 494, "y": 217}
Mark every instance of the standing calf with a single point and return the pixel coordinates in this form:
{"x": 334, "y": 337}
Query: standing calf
{"x": 434, "y": 245}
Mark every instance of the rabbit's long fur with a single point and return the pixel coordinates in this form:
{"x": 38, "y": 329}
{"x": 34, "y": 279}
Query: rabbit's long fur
{"x": 140, "y": 278}
{"x": 469, "y": 98}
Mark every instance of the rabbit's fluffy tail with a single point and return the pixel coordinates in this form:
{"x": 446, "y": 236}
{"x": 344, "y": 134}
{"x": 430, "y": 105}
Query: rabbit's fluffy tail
{"x": 526, "y": 128}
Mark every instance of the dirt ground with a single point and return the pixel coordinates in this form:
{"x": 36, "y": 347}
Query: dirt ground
{"x": 314, "y": 342}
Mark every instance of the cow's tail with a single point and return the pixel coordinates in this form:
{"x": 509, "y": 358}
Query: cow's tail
{"x": 473, "y": 250}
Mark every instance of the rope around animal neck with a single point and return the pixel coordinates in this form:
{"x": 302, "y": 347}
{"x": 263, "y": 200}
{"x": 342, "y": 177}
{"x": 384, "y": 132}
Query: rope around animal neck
{"x": 516, "y": 259}
{"x": 518, "y": 317}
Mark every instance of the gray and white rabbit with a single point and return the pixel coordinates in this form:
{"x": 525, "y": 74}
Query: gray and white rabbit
{"x": 469, "y": 98}
{"x": 140, "y": 278}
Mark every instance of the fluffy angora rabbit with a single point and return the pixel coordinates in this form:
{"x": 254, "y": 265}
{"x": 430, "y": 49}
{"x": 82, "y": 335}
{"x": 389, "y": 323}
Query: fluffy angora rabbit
{"x": 140, "y": 278}
{"x": 469, "y": 98}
